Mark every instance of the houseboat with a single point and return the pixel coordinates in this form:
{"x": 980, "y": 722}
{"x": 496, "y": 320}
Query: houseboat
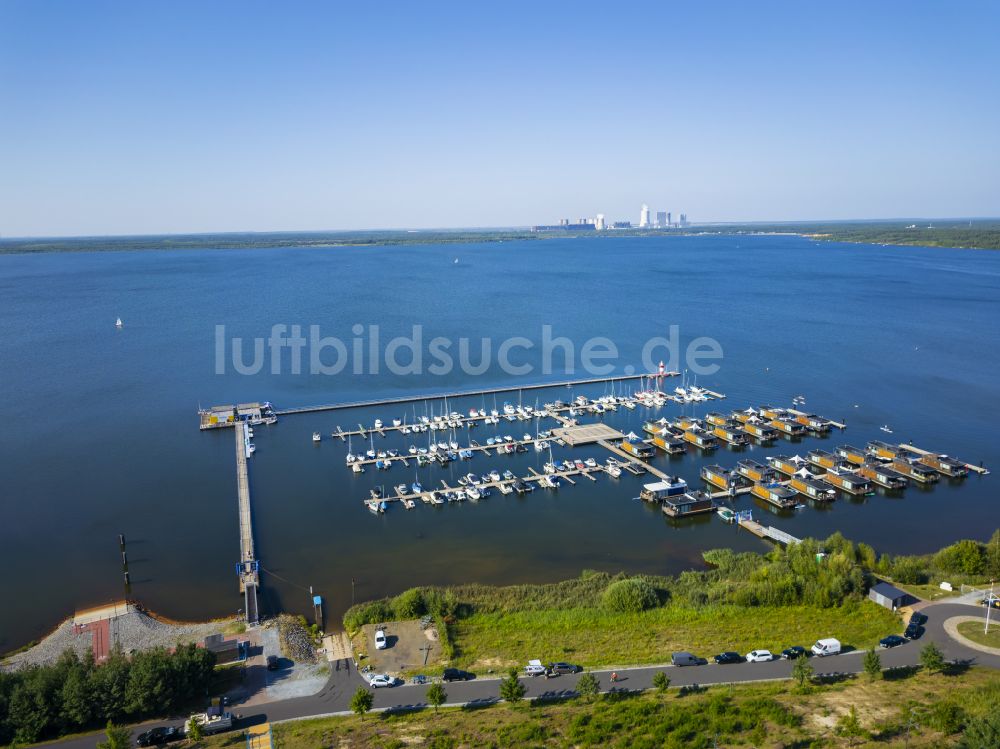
{"x": 852, "y": 454}
{"x": 770, "y": 412}
{"x": 661, "y": 490}
{"x": 639, "y": 449}
{"x": 783, "y": 463}
{"x": 721, "y": 478}
{"x": 716, "y": 419}
{"x": 731, "y": 433}
{"x": 654, "y": 427}
{"x": 686, "y": 422}
{"x": 776, "y": 494}
{"x": 823, "y": 459}
{"x": 789, "y": 427}
{"x": 670, "y": 444}
{"x": 882, "y": 450}
{"x": 848, "y": 482}
{"x": 812, "y": 488}
{"x": 761, "y": 431}
{"x": 704, "y": 440}
{"x": 915, "y": 470}
{"x": 944, "y": 464}
{"x": 741, "y": 416}
{"x": 754, "y": 471}
{"x": 883, "y": 476}
{"x": 689, "y": 503}
{"x": 813, "y": 423}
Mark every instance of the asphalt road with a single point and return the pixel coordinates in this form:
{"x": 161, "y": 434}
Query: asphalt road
{"x": 344, "y": 680}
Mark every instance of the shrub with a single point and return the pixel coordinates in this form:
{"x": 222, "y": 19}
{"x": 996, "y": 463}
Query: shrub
{"x": 661, "y": 681}
{"x": 372, "y": 612}
{"x": 908, "y": 570}
{"x": 630, "y": 596}
{"x": 409, "y": 604}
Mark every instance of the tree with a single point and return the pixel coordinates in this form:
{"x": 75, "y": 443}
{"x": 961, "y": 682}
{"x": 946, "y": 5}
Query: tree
{"x": 362, "y": 702}
{"x": 802, "y": 671}
{"x": 194, "y": 731}
{"x": 436, "y": 695}
{"x": 982, "y": 732}
{"x": 931, "y": 658}
{"x": 119, "y": 737}
{"x": 873, "y": 665}
{"x": 588, "y": 686}
{"x": 850, "y": 727}
{"x": 966, "y": 557}
{"x": 511, "y": 688}
{"x": 661, "y": 681}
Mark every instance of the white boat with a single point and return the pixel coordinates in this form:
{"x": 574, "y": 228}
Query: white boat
{"x": 409, "y": 504}
{"x": 472, "y": 492}
{"x": 590, "y": 463}
{"x": 505, "y": 489}
{"x": 885, "y": 428}
{"x": 614, "y": 471}
{"x": 397, "y": 422}
{"x": 357, "y": 468}
{"x": 378, "y": 424}
{"x": 373, "y": 505}
{"x": 119, "y": 324}
{"x": 317, "y": 437}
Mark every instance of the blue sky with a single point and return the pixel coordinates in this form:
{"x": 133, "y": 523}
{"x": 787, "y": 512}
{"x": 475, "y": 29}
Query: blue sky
{"x": 141, "y": 117}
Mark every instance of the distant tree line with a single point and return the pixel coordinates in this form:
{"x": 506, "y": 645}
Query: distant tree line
{"x": 73, "y": 694}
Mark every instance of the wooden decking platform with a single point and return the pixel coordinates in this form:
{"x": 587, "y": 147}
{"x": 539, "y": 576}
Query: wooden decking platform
{"x": 587, "y": 434}
{"x": 631, "y": 459}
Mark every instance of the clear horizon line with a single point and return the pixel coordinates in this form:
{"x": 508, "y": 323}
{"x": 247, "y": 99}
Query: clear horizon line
{"x": 519, "y": 227}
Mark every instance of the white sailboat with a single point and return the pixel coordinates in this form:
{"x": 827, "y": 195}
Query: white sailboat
{"x": 119, "y": 324}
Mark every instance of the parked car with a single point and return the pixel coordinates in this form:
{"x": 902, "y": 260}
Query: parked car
{"x": 796, "y": 651}
{"x": 759, "y": 656}
{"x": 826, "y": 646}
{"x": 456, "y": 674}
{"x": 891, "y": 641}
{"x": 555, "y": 669}
{"x": 728, "y": 657}
{"x": 684, "y": 658}
{"x": 917, "y": 618}
{"x": 382, "y": 680}
{"x": 534, "y": 668}
{"x": 272, "y": 663}
{"x": 158, "y": 735}
{"x": 913, "y": 632}
{"x": 380, "y": 639}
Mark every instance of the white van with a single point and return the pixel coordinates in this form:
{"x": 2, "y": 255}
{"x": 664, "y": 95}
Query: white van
{"x": 534, "y": 668}
{"x": 828, "y": 646}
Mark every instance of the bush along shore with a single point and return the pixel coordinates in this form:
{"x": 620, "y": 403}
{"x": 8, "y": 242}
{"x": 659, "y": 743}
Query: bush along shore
{"x": 788, "y": 596}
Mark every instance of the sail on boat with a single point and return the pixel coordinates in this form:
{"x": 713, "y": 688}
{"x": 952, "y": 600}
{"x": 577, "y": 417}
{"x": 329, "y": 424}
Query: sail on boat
{"x": 119, "y": 324}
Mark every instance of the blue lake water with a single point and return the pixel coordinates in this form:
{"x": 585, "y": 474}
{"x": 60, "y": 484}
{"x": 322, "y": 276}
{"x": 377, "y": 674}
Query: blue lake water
{"x": 100, "y": 430}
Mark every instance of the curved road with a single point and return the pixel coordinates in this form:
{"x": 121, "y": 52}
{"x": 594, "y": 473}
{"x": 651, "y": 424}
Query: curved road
{"x": 336, "y": 694}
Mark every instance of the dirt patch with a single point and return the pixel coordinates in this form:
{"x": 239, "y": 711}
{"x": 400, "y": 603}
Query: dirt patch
{"x": 409, "y": 648}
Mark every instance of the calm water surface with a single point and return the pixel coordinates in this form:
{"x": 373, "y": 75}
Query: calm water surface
{"x": 100, "y": 431}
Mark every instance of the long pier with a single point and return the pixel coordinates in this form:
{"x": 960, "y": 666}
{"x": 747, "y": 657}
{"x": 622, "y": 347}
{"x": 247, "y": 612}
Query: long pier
{"x": 468, "y": 393}
{"x": 248, "y": 568}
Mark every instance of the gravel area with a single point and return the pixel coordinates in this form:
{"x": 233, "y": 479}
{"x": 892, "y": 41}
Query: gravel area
{"x": 133, "y": 631}
{"x": 296, "y": 642}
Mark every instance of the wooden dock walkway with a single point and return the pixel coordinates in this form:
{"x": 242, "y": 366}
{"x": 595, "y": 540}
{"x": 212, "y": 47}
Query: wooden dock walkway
{"x": 248, "y": 567}
{"x": 768, "y": 532}
{"x": 468, "y": 393}
{"x": 534, "y": 476}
